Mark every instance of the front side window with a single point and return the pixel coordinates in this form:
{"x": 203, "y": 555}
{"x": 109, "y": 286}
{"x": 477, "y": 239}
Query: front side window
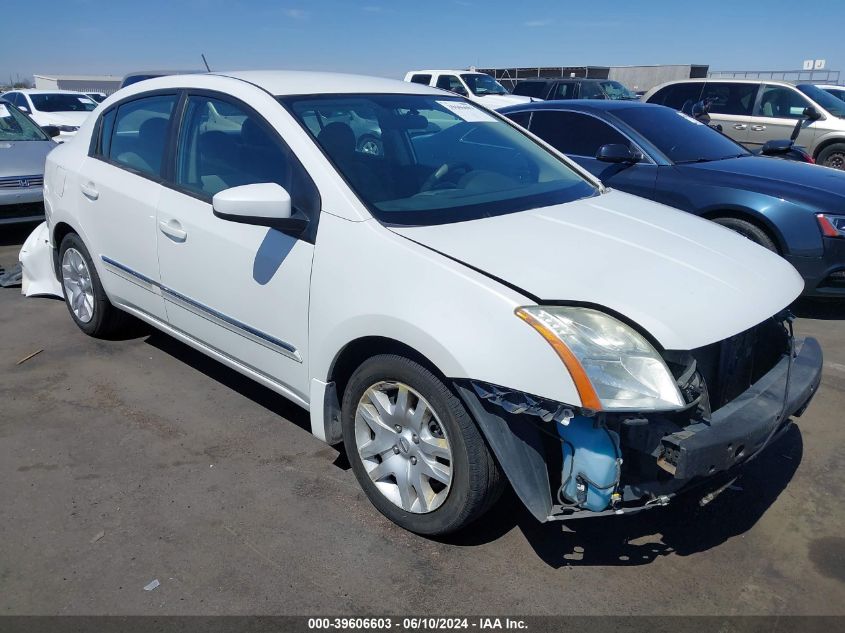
{"x": 15, "y": 126}
{"x": 481, "y": 84}
{"x": 139, "y": 133}
{"x": 223, "y": 145}
{"x": 733, "y": 99}
{"x": 62, "y": 102}
{"x": 450, "y": 83}
{"x": 575, "y": 133}
{"x": 781, "y": 102}
{"x": 590, "y": 90}
{"x": 680, "y": 138}
{"x": 443, "y": 160}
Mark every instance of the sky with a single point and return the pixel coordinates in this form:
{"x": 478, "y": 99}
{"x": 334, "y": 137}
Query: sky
{"x": 381, "y": 37}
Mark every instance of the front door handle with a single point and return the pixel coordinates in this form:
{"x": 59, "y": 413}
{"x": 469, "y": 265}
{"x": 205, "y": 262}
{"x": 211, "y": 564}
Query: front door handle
{"x": 740, "y": 126}
{"x": 758, "y": 128}
{"x": 174, "y": 230}
{"x": 89, "y": 191}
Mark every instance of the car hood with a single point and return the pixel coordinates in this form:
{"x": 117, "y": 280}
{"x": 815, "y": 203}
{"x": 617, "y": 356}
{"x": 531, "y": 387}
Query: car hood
{"x": 821, "y": 187}
{"x": 686, "y": 281}
{"x": 494, "y": 102}
{"x": 23, "y": 158}
{"x": 62, "y": 118}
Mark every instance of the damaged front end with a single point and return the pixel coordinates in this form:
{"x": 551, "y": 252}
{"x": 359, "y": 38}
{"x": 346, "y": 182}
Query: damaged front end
{"x": 567, "y": 462}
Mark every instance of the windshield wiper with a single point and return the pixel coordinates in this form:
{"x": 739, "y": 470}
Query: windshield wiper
{"x": 695, "y": 160}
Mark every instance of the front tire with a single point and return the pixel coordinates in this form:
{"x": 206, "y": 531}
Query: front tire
{"x": 85, "y": 298}
{"x": 832, "y": 156}
{"x": 748, "y": 230}
{"x": 414, "y": 448}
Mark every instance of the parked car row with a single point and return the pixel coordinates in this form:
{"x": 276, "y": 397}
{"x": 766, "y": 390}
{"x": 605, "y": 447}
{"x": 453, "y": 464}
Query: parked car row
{"x": 466, "y": 305}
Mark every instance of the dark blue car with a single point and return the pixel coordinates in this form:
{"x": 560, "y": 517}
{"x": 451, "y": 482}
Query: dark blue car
{"x": 795, "y": 209}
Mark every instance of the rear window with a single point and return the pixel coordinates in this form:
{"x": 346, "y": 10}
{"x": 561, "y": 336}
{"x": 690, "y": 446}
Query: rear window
{"x": 62, "y": 102}
{"x": 529, "y": 88}
{"x": 425, "y": 80}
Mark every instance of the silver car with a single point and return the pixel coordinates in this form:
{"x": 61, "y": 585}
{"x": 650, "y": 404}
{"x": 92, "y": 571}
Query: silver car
{"x": 753, "y": 112}
{"x": 23, "y": 149}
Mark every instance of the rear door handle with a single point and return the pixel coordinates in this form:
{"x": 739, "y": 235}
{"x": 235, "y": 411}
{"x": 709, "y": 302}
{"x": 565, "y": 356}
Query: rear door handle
{"x": 172, "y": 229}
{"x": 758, "y": 128}
{"x": 88, "y": 191}
{"x": 740, "y": 126}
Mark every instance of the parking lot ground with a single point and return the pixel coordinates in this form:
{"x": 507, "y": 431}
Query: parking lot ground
{"x": 132, "y": 460}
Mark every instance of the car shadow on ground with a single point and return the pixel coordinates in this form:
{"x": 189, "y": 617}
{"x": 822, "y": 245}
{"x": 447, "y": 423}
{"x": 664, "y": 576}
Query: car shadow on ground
{"x": 825, "y": 310}
{"x": 682, "y": 528}
{"x": 15, "y": 234}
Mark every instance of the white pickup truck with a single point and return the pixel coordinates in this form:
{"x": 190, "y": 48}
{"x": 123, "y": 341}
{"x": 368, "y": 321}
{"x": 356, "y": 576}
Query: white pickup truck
{"x": 474, "y": 86}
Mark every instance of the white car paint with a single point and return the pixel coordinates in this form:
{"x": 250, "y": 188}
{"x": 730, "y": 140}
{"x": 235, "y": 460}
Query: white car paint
{"x": 494, "y": 102}
{"x": 449, "y": 291}
{"x": 36, "y": 258}
{"x": 66, "y": 118}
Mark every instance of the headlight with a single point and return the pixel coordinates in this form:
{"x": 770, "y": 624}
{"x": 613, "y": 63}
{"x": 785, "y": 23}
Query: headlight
{"x": 831, "y": 225}
{"x": 613, "y": 366}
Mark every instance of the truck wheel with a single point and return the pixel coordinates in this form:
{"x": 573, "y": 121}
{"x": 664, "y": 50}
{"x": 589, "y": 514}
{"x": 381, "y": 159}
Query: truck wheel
{"x": 414, "y": 448}
{"x": 832, "y": 156}
{"x": 748, "y": 230}
{"x": 85, "y": 298}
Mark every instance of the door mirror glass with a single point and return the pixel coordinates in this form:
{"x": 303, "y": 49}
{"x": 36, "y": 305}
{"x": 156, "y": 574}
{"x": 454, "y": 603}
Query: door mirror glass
{"x": 617, "y": 153}
{"x": 262, "y": 204}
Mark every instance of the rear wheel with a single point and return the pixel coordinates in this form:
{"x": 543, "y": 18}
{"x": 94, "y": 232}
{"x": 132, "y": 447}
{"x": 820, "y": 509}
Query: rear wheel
{"x": 832, "y": 156}
{"x": 85, "y": 298}
{"x": 748, "y": 230}
{"x": 414, "y": 449}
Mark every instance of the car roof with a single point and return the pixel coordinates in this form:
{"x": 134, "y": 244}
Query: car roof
{"x": 447, "y": 70}
{"x": 289, "y": 82}
{"x": 825, "y": 86}
{"x": 713, "y": 80}
{"x": 594, "y": 105}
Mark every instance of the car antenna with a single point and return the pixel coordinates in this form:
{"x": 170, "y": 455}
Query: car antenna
{"x": 205, "y": 62}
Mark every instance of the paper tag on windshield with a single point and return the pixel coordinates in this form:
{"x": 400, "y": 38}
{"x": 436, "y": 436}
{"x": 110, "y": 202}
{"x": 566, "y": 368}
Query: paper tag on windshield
{"x": 3, "y": 111}
{"x": 84, "y": 100}
{"x": 466, "y": 111}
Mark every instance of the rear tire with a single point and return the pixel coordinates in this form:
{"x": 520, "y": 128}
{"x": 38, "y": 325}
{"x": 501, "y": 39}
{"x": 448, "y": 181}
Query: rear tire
{"x": 748, "y": 230}
{"x": 406, "y": 448}
{"x": 832, "y": 156}
{"x": 85, "y": 298}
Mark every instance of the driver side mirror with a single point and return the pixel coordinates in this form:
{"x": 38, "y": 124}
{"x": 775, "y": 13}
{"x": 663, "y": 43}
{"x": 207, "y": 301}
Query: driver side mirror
{"x": 261, "y": 204}
{"x": 23, "y": 109}
{"x": 617, "y": 153}
{"x": 811, "y": 113}
{"x": 51, "y": 130}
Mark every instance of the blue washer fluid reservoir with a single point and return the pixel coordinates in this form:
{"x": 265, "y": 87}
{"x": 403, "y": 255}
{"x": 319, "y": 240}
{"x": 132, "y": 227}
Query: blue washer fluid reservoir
{"x": 591, "y": 463}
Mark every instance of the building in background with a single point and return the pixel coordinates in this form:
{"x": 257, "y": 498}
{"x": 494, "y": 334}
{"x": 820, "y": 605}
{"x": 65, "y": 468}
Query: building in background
{"x": 639, "y": 78}
{"x": 82, "y": 83}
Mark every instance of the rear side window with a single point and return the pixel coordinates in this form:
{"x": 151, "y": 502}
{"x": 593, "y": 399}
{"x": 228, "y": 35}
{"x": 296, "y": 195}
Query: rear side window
{"x": 676, "y": 95}
{"x": 223, "y": 145}
{"x": 139, "y": 133}
{"x": 530, "y": 88}
{"x": 730, "y": 98}
{"x": 575, "y": 133}
{"x": 425, "y": 80}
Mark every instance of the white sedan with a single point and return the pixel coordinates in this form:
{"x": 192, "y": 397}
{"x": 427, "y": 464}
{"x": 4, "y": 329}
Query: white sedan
{"x": 464, "y": 307}
{"x": 64, "y": 109}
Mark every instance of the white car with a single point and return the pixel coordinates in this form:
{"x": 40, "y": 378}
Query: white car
{"x": 477, "y": 87}
{"x": 467, "y": 305}
{"x": 64, "y": 109}
{"x": 836, "y": 91}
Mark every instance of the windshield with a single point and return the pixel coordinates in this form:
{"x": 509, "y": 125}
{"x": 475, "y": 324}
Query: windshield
{"x": 436, "y": 159}
{"x": 62, "y": 102}
{"x": 839, "y": 93}
{"x": 615, "y": 90}
{"x": 15, "y": 126}
{"x": 826, "y": 100}
{"x": 680, "y": 138}
{"x": 481, "y": 85}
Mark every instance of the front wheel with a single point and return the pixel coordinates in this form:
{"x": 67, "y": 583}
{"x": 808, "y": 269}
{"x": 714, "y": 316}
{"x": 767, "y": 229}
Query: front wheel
{"x": 832, "y": 156}
{"x": 748, "y": 230}
{"x": 414, "y": 448}
{"x": 85, "y": 298}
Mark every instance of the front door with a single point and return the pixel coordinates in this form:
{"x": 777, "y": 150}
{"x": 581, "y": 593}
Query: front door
{"x": 240, "y": 289}
{"x": 778, "y": 110}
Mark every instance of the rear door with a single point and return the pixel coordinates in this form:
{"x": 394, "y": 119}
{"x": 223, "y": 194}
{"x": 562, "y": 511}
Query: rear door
{"x": 731, "y": 106}
{"x": 580, "y": 135}
{"x": 118, "y": 188}
{"x": 241, "y": 289}
{"x": 777, "y": 111}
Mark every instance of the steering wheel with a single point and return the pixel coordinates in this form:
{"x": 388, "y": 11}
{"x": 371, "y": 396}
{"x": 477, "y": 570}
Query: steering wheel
{"x": 435, "y": 181}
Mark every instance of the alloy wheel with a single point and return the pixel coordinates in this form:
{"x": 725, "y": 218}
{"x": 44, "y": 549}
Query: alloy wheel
{"x": 403, "y": 447}
{"x": 79, "y": 289}
{"x": 836, "y": 161}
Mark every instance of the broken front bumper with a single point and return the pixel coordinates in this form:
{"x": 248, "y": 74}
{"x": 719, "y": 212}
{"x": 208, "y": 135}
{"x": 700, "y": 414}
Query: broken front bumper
{"x": 520, "y": 430}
